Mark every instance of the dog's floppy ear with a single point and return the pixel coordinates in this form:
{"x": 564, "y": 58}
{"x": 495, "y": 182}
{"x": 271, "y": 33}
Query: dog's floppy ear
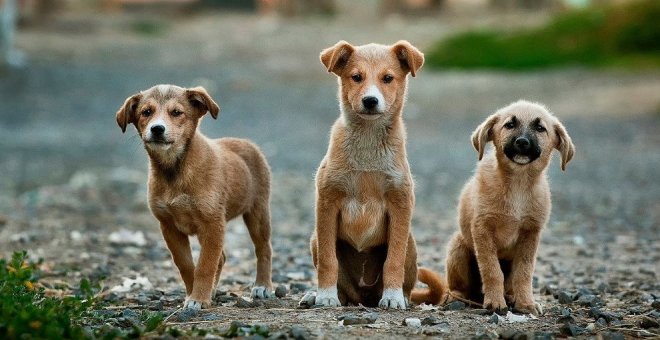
{"x": 484, "y": 134}
{"x": 564, "y": 145}
{"x": 409, "y": 56}
{"x": 201, "y": 100}
{"x": 334, "y": 58}
{"x": 126, "y": 113}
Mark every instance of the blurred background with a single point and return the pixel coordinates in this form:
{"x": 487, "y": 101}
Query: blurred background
{"x": 70, "y": 177}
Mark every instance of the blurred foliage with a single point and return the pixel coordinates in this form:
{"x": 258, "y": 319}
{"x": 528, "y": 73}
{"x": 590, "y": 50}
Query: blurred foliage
{"x": 623, "y": 35}
{"x": 26, "y": 312}
{"x": 149, "y": 27}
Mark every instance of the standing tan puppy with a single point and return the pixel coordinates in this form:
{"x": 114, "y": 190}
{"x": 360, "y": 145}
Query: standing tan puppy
{"x": 504, "y": 207}
{"x": 362, "y": 246}
{"x": 197, "y": 184}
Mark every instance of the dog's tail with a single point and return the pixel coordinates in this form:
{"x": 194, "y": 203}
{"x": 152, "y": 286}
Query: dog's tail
{"x": 436, "y": 291}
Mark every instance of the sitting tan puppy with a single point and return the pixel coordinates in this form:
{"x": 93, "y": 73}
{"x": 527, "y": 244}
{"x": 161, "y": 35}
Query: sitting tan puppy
{"x": 362, "y": 246}
{"x": 197, "y": 184}
{"x": 504, "y": 207}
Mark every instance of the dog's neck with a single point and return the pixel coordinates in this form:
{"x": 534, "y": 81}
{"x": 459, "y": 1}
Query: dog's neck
{"x": 171, "y": 164}
{"x": 371, "y": 145}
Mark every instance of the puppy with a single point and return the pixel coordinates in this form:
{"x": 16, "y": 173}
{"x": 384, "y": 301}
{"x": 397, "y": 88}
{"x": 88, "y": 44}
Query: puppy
{"x": 197, "y": 184}
{"x": 504, "y": 207}
{"x": 362, "y": 246}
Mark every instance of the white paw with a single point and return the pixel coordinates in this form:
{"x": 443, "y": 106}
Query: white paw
{"x": 192, "y": 304}
{"x": 327, "y": 297}
{"x": 260, "y": 292}
{"x": 392, "y": 298}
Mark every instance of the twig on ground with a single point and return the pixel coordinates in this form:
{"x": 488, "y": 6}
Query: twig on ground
{"x": 470, "y": 302}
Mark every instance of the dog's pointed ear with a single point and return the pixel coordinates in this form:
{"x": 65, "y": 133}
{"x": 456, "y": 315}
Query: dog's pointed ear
{"x": 484, "y": 134}
{"x": 564, "y": 145}
{"x": 335, "y": 58}
{"x": 409, "y": 56}
{"x": 202, "y": 101}
{"x": 127, "y": 112}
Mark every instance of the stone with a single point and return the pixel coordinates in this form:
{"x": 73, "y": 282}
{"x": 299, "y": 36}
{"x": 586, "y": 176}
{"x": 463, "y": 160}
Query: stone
{"x": 352, "y": 319}
{"x": 412, "y": 322}
{"x": 571, "y": 329}
{"x": 496, "y": 319}
{"x": 430, "y": 321}
{"x": 612, "y": 336}
{"x": 565, "y": 297}
{"x": 455, "y": 305}
{"x": 281, "y": 291}
{"x": 647, "y": 322}
{"x": 299, "y": 333}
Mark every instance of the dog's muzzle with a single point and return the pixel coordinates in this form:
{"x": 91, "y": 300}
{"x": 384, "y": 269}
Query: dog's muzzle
{"x": 522, "y": 150}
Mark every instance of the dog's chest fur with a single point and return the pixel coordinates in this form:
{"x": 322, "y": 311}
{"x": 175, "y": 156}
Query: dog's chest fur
{"x": 182, "y": 210}
{"x": 367, "y": 171}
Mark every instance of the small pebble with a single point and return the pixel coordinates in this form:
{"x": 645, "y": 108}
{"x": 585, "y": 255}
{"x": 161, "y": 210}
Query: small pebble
{"x": 571, "y": 329}
{"x": 299, "y": 333}
{"x": 281, "y": 291}
{"x": 455, "y": 305}
{"x": 186, "y": 314}
{"x": 612, "y": 336}
{"x": 646, "y": 322}
{"x": 565, "y": 297}
{"x": 364, "y": 319}
{"x": 430, "y": 321}
{"x": 412, "y": 322}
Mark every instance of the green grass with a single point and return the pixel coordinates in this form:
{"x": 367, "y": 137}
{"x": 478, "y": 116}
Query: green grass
{"x": 26, "y": 312}
{"x": 620, "y": 36}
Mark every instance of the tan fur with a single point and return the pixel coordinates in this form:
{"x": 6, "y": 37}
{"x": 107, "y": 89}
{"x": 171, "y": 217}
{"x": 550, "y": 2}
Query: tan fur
{"x": 197, "y": 184}
{"x": 502, "y": 210}
{"x": 436, "y": 291}
{"x": 362, "y": 242}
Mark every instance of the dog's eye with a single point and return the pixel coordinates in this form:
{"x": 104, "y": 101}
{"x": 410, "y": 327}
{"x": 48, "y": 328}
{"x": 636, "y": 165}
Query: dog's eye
{"x": 356, "y": 78}
{"x": 388, "y": 78}
{"x": 176, "y": 113}
{"x": 540, "y": 128}
{"x": 146, "y": 112}
{"x": 510, "y": 125}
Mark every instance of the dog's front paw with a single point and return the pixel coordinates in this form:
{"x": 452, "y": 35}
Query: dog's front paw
{"x": 260, "y": 292}
{"x": 392, "y": 298}
{"x": 327, "y": 297}
{"x": 533, "y": 308}
{"x": 496, "y": 304}
{"x": 194, "y": 304}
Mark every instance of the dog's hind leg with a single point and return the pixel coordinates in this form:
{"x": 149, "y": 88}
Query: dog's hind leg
{"x": 216, "y": 279}
{"x": 258, "y": 223}
{"x": 458, "y": 268}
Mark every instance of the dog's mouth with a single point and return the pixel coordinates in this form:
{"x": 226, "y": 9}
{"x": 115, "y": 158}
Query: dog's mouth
{"x": 158, "y": 142}
{"x": 369, "y": 114}
{"x": 523, "y": 158}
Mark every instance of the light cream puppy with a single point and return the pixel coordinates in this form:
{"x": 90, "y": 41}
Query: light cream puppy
{"x": 504, "y": 207}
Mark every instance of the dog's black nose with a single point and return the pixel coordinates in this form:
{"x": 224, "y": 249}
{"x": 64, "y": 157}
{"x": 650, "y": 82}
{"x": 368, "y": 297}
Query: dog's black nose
{"x": 157, "y": 130}
{"x": 369, "y": 102}
{"x": 522, "y": 143}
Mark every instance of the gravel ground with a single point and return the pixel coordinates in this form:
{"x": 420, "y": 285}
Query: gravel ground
{"x": 73, "y": 187}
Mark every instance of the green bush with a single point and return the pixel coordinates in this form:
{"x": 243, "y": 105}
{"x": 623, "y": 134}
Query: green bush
{"x": 26, "y": 313}
{"x": 622, "y": 35}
